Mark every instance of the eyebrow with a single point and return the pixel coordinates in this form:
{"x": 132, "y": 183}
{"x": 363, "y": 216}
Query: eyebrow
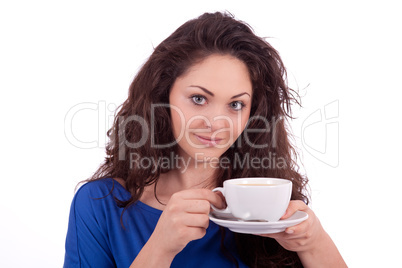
{"x": 212, "y": 94}
{"x": 241, "y": 94}
{"x": 204, "y": 89}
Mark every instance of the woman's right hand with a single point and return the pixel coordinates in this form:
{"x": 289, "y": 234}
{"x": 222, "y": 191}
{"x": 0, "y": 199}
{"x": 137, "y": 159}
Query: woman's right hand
{"x": 185, "y": 218}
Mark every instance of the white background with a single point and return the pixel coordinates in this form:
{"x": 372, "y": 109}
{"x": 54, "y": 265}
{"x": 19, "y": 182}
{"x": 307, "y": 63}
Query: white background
{"x": 345, "y": 55}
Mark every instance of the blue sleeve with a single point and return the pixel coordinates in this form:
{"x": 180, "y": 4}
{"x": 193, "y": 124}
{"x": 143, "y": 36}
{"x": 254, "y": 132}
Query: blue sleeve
{"x": 87, "y": 244}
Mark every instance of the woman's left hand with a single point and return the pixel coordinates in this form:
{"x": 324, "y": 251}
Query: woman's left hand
{"x": 309, "y": 239}
{"x": 302, "y": 237}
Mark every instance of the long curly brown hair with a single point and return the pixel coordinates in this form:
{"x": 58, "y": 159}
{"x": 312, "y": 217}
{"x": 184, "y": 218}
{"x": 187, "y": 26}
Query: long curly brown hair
{"x": 143, "y": 124}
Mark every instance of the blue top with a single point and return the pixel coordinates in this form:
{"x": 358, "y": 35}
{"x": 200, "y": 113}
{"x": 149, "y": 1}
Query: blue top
{"x": 96, "y": 238}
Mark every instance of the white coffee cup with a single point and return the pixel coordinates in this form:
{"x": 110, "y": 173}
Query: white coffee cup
{"x": 256, "y": 198}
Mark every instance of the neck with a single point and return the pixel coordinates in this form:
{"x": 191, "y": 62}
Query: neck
{"x": 192, "y": 175}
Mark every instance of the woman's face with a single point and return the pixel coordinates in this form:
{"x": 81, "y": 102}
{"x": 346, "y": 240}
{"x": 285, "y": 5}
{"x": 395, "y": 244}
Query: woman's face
{"x": 210, "y": 106}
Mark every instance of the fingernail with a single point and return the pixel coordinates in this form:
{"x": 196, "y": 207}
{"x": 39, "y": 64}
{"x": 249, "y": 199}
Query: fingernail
{"x": 290, "y": 231}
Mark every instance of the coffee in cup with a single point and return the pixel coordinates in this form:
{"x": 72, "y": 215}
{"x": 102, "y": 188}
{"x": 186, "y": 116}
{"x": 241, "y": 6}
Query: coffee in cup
{"x": 256, "y": 198}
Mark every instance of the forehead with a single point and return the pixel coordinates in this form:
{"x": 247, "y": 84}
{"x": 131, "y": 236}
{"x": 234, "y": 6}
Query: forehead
{"x": 218, "y": 72}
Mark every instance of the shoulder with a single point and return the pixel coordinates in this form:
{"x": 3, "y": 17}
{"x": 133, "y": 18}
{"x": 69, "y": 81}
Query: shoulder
{"x": 92, "y": 210}
{"x": 96, "y": 189}
{"x": 93, "y": 196}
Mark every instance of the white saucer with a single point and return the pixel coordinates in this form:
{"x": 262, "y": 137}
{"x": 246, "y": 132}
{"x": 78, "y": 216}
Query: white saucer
{"x": 257, "y": 227}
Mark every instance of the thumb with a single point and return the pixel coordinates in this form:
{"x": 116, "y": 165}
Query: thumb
{"x": 294, "y": 205}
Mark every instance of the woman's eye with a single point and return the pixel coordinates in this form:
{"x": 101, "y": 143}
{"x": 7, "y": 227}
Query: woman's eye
{"x": 236, "y": 105}
{"x": 198, "y": 100}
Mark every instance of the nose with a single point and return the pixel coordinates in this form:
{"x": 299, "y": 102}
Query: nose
{"x": 219, "y": 120}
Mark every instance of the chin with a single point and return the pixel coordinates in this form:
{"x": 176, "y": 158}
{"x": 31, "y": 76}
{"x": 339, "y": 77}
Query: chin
{"x": 208, "y": 155}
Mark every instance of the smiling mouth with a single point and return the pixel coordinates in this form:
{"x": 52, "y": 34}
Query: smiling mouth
{"x": 208, "y": 140}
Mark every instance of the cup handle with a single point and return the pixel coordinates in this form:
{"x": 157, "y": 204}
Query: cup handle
{"x": 225, "y": 210}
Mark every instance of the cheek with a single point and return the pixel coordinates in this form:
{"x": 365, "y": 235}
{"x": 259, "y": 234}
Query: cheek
{"x": 241, "y": 124}
{"x": 178, "y": 122}
{"x": 184, "y": 119}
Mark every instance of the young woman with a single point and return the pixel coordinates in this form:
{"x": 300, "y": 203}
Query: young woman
{"x": 210, "y": 100}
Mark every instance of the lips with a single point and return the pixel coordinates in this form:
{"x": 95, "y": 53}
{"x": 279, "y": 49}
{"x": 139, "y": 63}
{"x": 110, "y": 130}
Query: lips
{"x": 209, "y": 141}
